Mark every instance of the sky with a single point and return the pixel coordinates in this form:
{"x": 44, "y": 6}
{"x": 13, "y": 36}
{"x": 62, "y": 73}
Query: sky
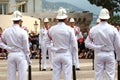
{"x": 83, "y": 4}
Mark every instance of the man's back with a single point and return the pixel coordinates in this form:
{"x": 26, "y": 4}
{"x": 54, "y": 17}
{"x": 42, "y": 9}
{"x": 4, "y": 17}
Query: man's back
{"x": 104, "y": 39}
{"x": 103, "y": 34}
{"x": 61, "y": 35}
{"x": 63, "y": 38}
{"x": 14, "y": 37}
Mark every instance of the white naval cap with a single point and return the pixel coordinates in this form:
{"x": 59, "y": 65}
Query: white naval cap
{"x": 17, "y": 15}
{"x": 104, "y": 14}
{"x": 72, "y": 20}
{"x": 61, "y": 14}
{"x": 46, "y": 20}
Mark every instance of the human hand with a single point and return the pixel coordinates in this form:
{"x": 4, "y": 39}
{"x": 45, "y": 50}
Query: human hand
{"x": 28, "y": 59}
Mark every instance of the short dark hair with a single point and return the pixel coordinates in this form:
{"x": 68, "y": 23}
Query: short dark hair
{"x": 103, "y": 19}
{"x": 16, "y": 22}
{"x": 61, "y": 20}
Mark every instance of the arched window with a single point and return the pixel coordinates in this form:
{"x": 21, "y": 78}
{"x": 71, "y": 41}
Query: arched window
{"x": 79, "y": 20}
{"x": 54, "y": 20}
{"x": 84, "y": 19}
{"x": 50, "y": 19}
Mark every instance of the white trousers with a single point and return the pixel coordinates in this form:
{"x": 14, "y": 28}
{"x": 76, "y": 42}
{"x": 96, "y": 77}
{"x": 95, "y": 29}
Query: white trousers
{"x": 50, "y": 53}
{"x": 76, "y": 59}
{"x": 17, "y": 62}
{"x": 44, "y": 50}
{"x": 104, "y": 61}
{"x": 62, "y": 62}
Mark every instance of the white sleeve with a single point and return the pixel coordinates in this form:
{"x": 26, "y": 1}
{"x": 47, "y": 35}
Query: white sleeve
{"x": 117, "y": 45}
{"x": 90, "y": 44}
{"x": 74, "y": 47}
{"x": 26, "y": 44}
{"x": 79, "y": 35}
{"x": 40, "y": 38}
{"x": 48, "y": 39}
{"x": 3, "y": 42}
{"x": 3, "y": 45}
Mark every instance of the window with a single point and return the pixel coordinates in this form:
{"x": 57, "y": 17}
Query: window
{"x": 22, "y": 8}
{"x": 22, "y": 5}
{"x": 3, "y": 8}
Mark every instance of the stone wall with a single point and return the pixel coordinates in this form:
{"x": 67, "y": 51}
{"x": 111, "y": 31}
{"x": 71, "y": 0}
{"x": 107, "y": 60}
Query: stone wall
{"x": 82, "y": 19}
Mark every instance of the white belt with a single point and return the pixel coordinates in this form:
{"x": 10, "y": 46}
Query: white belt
{"x": 15, "y": 51}
{"x": 107, "y": 49}
{"x": 100, "y": 51}
{"x": 63, "y": 51}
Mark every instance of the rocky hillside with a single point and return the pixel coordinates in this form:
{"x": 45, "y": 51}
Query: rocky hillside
{"x": 53, "y": 6}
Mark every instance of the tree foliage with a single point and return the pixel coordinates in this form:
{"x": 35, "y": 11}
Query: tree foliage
{"x": 111, "y": 5}
{"x": 114, "y": 20}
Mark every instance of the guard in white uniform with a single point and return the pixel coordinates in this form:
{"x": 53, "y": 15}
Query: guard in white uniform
{"x": 44, "y": 47}
{"x": 104, "y": 39}
{"x": 63, "y": 38}
{"x": 16, "y": 40}
{"x": 78, "y": 35}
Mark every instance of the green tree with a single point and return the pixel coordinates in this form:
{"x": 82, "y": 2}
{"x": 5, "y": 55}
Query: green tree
{"x": 111, "y": 5}
{"x": 114, "y": 20}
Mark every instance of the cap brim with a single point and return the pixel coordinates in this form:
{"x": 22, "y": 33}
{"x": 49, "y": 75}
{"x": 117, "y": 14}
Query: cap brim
{"x": 61, "y": 17}
{"x": 104, "y": 17}
{"x": 16, "y": 19}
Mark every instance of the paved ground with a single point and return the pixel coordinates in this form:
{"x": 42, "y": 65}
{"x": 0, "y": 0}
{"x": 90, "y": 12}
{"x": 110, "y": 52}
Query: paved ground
{"x": 86, "y": 72}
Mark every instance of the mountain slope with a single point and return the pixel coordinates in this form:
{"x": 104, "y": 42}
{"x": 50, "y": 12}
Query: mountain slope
{"x": 53, "y": 6}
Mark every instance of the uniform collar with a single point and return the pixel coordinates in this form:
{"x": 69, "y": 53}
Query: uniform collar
{"x": 16, "y": 25}
{"x": 46, "y": 28}
{"x": 104, "y": 22}
{"x": 61, "y": 23}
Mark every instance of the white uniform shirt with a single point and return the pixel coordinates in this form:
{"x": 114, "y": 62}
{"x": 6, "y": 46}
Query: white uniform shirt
{"x": 16, "y": 38}
{"x": 43, "y": 35}
{"x": 63, "y": 37}
{"x": 103, "y": 37}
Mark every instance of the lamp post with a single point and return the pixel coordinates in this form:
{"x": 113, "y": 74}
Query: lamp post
{"x": 35, "y": 26}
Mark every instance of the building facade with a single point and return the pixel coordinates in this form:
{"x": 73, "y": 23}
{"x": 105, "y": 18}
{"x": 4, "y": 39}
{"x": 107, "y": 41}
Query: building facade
{"x": 29, "y": 6}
